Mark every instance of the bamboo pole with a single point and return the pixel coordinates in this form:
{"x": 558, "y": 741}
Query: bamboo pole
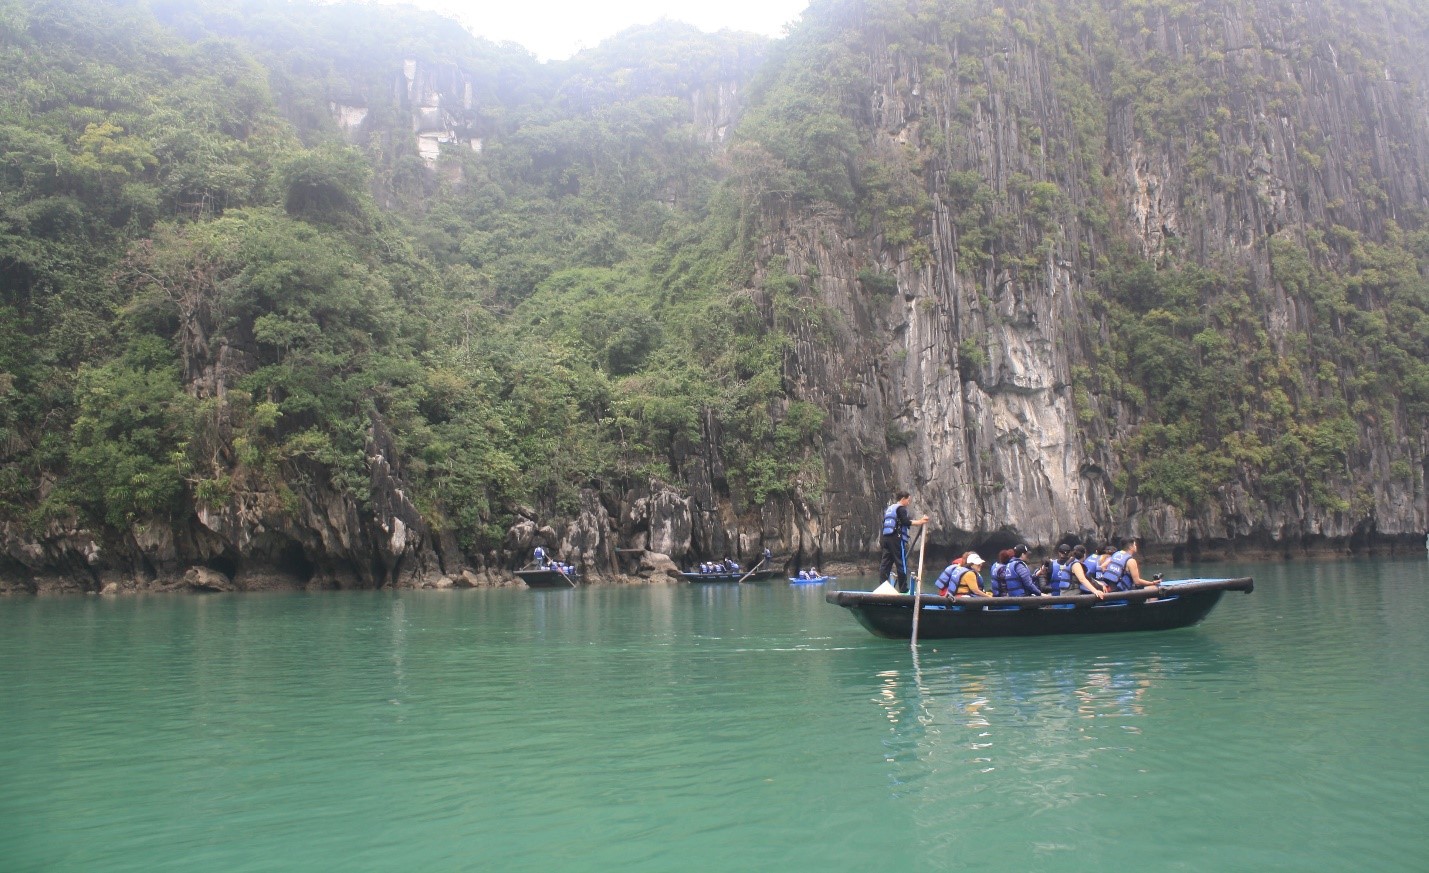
{"x": 918, "y": 588}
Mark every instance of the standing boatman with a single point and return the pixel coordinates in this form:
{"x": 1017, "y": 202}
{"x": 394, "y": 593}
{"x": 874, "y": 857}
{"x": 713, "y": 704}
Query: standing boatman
{"x": 894, "y": 540}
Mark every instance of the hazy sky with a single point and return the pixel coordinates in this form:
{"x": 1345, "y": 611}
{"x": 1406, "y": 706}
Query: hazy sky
{"x": 555, "y": 29}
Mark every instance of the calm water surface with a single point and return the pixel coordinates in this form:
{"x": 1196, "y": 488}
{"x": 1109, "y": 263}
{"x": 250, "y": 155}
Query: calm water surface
{"x": 749, "y": 727}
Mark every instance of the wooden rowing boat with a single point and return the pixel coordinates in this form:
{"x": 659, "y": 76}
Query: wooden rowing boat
{"x": 1175, "y": 604}
{"x": 756, "y": 576}
{"x": 548, "y": 577}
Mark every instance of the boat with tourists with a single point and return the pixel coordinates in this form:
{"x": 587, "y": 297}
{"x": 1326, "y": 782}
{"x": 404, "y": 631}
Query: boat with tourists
{"x": 1173, "y": 604}
{"x": 811, "y": 580}
{"x": 730, "y": 575}
{"x": 549, "y": 576}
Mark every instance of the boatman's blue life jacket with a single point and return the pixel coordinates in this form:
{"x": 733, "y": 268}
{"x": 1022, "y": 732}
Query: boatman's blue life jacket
{"x": 890, "y": 519}
{"x": 1115, "y": 574}
{"x": 1061, "y": 576}
{"x": 540, "y": 556}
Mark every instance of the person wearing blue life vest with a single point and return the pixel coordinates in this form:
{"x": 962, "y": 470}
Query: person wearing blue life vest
{"x": 894, "y": 540}
{"x": 1019, "y": 575}
{"x": 1122, "y": 572}
{"x": 1056, "y": 574}
{"x": 1084, "y": 578}
{"x": 538, "y": 557}
{"x": 962, "y": 579}
{"x": 1095, "y": 559}
{"x": 946, "y": 583}
{"x": 997, "y": 573}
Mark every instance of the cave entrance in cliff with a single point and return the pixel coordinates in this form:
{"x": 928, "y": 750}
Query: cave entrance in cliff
{"x": 225, "y": 563}
{"x": 291, "y": 560}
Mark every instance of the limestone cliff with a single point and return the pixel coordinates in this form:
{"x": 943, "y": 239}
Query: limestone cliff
{"x": 1307, "y": 117}
{"x": 940, "y": 285}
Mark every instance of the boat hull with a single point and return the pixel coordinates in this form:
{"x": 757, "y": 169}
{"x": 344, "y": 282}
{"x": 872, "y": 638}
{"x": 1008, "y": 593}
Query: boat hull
{"x": 547, "y": 578}
{"x": 1178, "y": 604}
{"x": 817, "y": 580}
{"x": 756, "y": 576}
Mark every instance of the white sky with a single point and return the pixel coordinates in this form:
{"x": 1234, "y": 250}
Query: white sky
{"x": 557, "y": 29}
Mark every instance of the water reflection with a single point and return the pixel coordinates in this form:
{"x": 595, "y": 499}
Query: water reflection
{"x": 1030, "y": 713}
{"x": 549, "y": 612}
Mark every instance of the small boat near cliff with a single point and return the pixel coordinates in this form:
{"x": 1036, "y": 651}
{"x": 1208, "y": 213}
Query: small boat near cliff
{"x": 548, "y": 577}
{"x": 736, "y": 576}
{"x": 811, "y": 580}
{"x": 1175, "y": 604}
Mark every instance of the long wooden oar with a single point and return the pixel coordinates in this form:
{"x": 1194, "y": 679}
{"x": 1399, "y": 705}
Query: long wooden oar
{"x": 752, "y": 571}
{"x": 918, "y": 587}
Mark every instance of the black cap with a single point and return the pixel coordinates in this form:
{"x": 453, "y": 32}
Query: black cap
{"x": 1064, "y": 547}
{"x": 1019, "y": 549}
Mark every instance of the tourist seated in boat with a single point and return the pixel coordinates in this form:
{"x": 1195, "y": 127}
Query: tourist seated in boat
{"x": 1055, "y": 574}
{"x": 1042, "y": 576}
{"x": 1083, "y": 575}
{"x": 730, "y": 566}
{"x": 1122, "y": 572}
{"x": 997, "y": 574}
{"x": 962, "y": 579}
{"x": 946, "y": 583}
{"x": 1018, "y": 576}
{"x": 1102, "y": 556}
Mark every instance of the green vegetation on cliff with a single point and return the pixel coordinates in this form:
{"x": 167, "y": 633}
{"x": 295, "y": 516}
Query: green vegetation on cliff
{"x": 209, "y": 286}
{"x": 207, "y": 290}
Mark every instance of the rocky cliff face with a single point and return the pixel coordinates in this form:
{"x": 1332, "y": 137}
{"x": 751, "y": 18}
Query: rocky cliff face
{"x": 1299, "y": 127}
{"x": 944, "y": 367}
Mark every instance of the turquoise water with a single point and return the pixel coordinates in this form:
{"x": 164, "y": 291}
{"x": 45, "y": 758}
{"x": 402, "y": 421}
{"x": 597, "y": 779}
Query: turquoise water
{"x": 717, "y": 727}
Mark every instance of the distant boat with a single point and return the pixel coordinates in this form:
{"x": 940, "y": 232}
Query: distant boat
{"x": 1176, "y": 604}
{"x": 811, "y": 580}
{"x": 738, "y": 575}
{"x": 548, "y": 577}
